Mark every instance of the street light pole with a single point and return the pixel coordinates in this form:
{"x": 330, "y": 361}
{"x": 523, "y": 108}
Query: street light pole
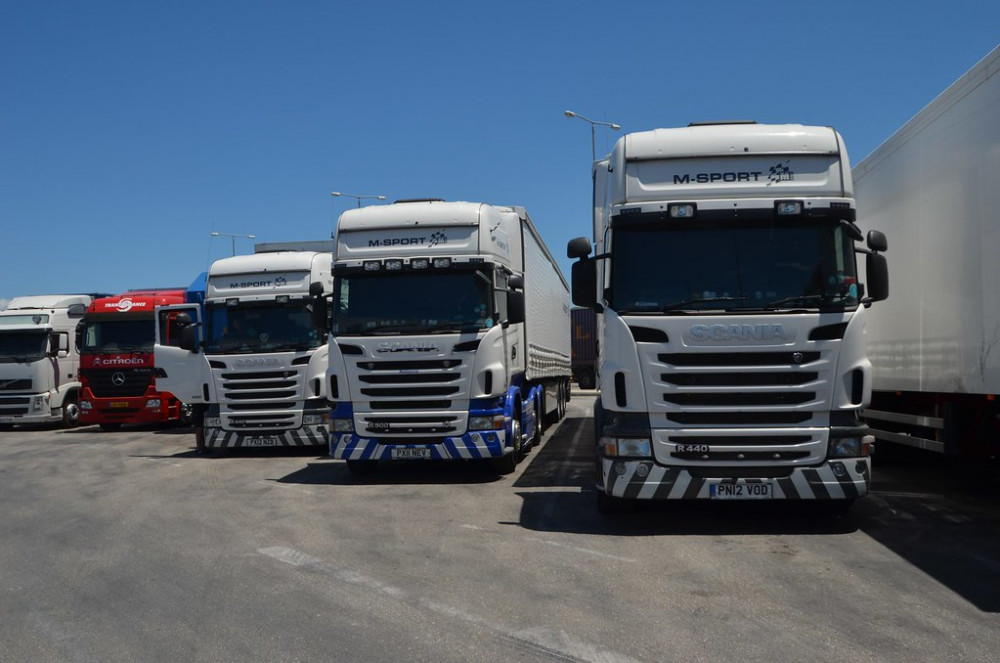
{"x": 355, "y": 196}
{"x": 593, "y": 124}
{"x": 232, "y": 237}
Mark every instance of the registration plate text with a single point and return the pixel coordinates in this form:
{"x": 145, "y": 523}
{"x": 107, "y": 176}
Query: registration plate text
{"x": 741, "y": 491}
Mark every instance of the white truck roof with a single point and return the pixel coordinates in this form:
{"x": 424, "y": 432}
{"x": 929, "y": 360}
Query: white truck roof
{"x": 702, "y": 140}
{"x": 412, "y": 213}
{"x": 38, "y": 302}
{"x": 278, "y": 261}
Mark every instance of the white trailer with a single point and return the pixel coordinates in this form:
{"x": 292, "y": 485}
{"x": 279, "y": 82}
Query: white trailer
{"x": 253, "y": 366}
{"x": 450, "y": 334}
{"x": 732, "y": 360}
{"x": 39, "y": 359}
{"x": 934, "y": 187}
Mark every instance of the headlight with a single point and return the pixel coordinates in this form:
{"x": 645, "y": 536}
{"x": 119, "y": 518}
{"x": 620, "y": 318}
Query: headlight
{"x": 850, "y": 447}
{"x": 39, "y": 402}
{"x": 342, "y": 425}
{"x": 213, "y": 422}
{"x": 312, "y": 419}
{"x": 626, "y": 446}
{"x": 153, "y": 403}
{"x": 486, "y": 423}
{"x": 86, "y": 405}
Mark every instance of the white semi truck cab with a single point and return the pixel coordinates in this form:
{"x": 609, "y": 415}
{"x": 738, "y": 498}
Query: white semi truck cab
{"x": 732, "y": 329}
{"x": 39, "y": 360}
{"x": 450, "y": 334}
{"x": 252, "y": 365}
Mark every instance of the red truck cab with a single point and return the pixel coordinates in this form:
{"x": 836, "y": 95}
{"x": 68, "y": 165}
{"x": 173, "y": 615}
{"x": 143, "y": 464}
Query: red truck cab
{"x": 117, "y": 376}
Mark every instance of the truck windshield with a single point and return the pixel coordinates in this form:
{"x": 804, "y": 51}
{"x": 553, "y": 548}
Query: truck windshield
{"x": 118, "y": 333}
{"x": 260, "y": 327}
{"x": 732, "y": 265}
{"x": 412, "y": 302}
{"x": 22, "y": 345}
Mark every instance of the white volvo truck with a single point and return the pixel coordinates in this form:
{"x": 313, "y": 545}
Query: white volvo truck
{"x": 450, "y": 334}
{"x": 732, "y": 336}
{"x": 252, "y": 365}
{"x": 39, "y": 360}
{"x": 934, "y": 187}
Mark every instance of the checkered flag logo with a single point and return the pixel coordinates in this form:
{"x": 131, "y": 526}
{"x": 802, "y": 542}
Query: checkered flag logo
{"x": 780, "y": 173}
{"x": 280, "y": 281}
{"x": 438, "y": 237}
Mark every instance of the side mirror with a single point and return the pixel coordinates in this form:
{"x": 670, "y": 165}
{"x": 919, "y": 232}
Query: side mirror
{"x": 578, "y": 248}
{"x": 189, "y": 338}
{"x": 320, "y": 312}
{"x": 877, "y": 271}
{"x": 877, "y": 241}
{"x": 515, "y": 306}
{"x": 315, "y": 289}
{"x": 584, "y": 282}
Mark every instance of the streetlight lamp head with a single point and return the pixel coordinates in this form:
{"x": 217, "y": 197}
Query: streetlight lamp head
{"x": 381, "y": 197}
{"x": 334, "y": 193}
{"x": 615, "y": 127}
{"x": 569, "y": 114}
{"x": 215, "y": 234}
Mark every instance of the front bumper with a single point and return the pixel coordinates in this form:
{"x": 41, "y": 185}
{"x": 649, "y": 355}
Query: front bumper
{"x": 478, "y": 444}
{"x": 307, "y": 436}
{"x": 845, "y": 479}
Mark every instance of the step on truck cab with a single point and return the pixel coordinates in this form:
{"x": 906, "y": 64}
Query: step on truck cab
{"x": 249, "y": 361}
{"x": 450, "y": 334}
{"x": 732, "y": 335}
{"x": 117, "y": 380}
{"x": 39, "y": 359}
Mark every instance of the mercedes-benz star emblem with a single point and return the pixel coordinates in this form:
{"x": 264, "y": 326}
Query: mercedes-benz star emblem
{"x": 118, "y": 378}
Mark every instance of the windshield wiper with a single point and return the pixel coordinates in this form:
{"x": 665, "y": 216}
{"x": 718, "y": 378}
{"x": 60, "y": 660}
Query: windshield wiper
{"x": 301, "y": 345}
{"x": 805, "y": 300}
{"x": 699, "y": 300}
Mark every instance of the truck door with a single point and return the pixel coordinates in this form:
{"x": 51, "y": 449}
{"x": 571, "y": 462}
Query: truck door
{"x": 184, "y": 373}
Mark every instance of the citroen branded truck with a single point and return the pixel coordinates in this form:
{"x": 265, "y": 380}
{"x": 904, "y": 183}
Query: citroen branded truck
{"x": 249, "y": 360}
{"x": 450, "y": 335}
{"x": 934, "y": 187}
{"x": 732, "y": 358}
{"x": 118, "y": 385}
{"x": 39, "y": 360}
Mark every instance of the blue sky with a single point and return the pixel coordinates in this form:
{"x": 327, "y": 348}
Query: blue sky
{"x": 129, "y": 131}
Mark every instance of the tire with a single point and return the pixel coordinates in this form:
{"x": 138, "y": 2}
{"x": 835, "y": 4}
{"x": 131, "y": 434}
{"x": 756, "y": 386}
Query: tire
{"x": 70, "y": 413}
{"x": 110, "y": 426}
{"x": 507, "y": 463}
{"x": 561, "y": 406}
{"x": 362, "y": 467}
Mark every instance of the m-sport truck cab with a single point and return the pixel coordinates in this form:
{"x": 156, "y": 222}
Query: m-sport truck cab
{"x": 732, "y": 316}
{"x": 250, "y": 361}
{"x": 449, "y": 337}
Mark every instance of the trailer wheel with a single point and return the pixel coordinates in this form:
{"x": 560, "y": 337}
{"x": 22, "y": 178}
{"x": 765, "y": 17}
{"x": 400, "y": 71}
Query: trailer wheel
{"x": 70, "y": 412}
{"x": 585, "y": 379}
{"x": 563, "y": 398}
{"x": 508, "y": 462}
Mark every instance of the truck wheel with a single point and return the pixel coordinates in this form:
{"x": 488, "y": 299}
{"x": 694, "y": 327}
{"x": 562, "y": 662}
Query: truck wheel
{"x": 586, "y": 380}
{"x": 70, "y": 413}
{"x": 362, "y": 467}
{"x": 507, "y": 463}
{"x": 110, "y": 426}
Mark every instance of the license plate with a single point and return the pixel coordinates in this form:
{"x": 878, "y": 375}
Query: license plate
{"x": 411, "y": 454}
{"x": 119, "y": 404}
{"x": 263, "y": 441}
{"x": 741, "y": 491}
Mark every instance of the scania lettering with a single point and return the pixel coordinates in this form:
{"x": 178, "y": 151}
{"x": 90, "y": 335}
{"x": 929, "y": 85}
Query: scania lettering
{"x": 477, "y": 319}
{"x": 251, "y": 363}
{"x": 118, "y": 333}
{"x": 732, "y": 358}
{"x": 40, "y": 360}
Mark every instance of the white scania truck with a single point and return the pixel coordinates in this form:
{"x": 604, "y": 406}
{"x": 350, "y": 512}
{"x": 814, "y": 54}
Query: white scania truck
{"x": 450, "y": 334}
{"x": 252, "y": 365}
{"x": 934, "y": 187}
{"x": 732, "y": 336}
{"x": 39, "y": 360}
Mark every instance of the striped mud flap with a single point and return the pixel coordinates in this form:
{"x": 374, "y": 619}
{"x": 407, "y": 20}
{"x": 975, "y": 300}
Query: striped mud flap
{"x": 217, "y": 438}
{"x": 349, "y": 446}
{"x": 645, "y": 480}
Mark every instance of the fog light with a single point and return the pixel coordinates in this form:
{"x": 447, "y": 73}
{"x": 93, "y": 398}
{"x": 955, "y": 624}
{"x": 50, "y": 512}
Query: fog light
{"x": 153, "y": 403}
{"x": 619, "y": 468}
{"x": 342, "y": 425}
{"x": 642, "y": 470}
